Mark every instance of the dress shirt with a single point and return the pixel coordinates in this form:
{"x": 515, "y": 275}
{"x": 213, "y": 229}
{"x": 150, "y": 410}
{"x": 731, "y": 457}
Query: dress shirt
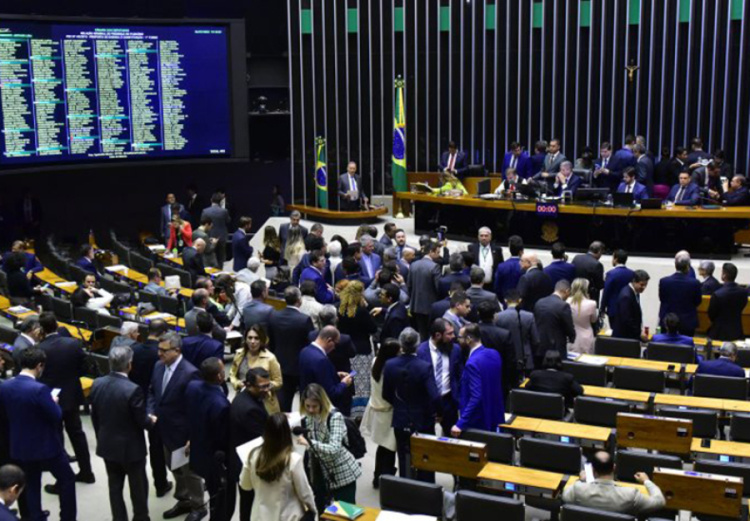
{"x": 472, "y": 351}
{"x": 629, "y": 188}
{"x": 368, "y": 263}
{"x": 320, "y": 347}
{"x": 446, "y": 376}
{"x": 680, "y": 194}
{"x": 168, "y": 372}
{"x": 485, "y": 261}
{"x": 452, "y": 162}
{"x": 513, "y": 161}
{"x": 27, "y": 337}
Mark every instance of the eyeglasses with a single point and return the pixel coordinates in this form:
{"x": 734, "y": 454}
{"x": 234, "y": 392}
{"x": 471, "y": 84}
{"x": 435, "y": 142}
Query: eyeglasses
{"x": 167, "y": 350}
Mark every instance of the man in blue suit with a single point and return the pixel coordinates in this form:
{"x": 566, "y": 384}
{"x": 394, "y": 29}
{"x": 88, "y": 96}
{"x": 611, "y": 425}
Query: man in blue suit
{"x": 314, "y": 272}
{"x": 566, "y": 180}
{"x": 630, "y": 185}
{"x": 166, "y": 215}
{"x": 671, "y": 334}
{"x": 456, "y": 264}
{"x": 86, "y": 261}
{"x": 12, "y": 483}
{"x": 241, "y": 249}
{"x": 644, "y": 166}
{"x": 725, "y": 365}
{"x": 482, "y": 404}
{"x": 370, "y": 261}
{"x": 509, "y": 272}
{"x": 168, "y": 406}
{"x": 617, "y": 278}
{"x": 32, "y": 265}
{"x": 737, "y": 194}
{"x": 680, "y": 293}
{"x": 623, "y": 158}
{"x": 560, "y": 268}
{"x": 685, "y": 193}
{"x": 199, "y": 347}
{"x": 313, "y": 243}
{"x": 209, "y": 436}
{"x": 257, "y": 311}
{"x": 453, "y": 160}
{"x": 444, "y": 357}
{"x": 34, "y": 427}
{"x": 396, "y": 318}
{"x": 519, "y": 159}
{"x": 409, "y": 385}
{"x": 316, "y": 368}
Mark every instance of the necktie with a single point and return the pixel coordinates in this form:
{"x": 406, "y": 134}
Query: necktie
{"x": 439, "y": 373}
{"x": 165, "y": 380}
{"x": 606, "y": 160}
{"x": 630, "y": 189}
{"x": 452, "y": 162}
{"x": 352, "y": 184}
{"x": 513, "y": 161}
{"x": 680, "y": 193}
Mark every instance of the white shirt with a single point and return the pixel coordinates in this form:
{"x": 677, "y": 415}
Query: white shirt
{"x": 473, "y": 349}
{"x": 321, "y": 349}
{"x": 169, "y": 371}
{"x": 446, "y": 376}
{"x": 100, "y": 303}
{"x": 27, "y": 337}
{"x": 485, "y": 262}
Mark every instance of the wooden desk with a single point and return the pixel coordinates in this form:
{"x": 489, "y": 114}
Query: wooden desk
{"x": 130, "y": 275}
{"x": 56, "y": 281}
{"x": 576, "y": 433}
{"x": 677, "y": 400}
{"x": 451, "y": 456}
{"x": 704, "y": 322}
{"x": 178, "y": 260}
{"x": 371, "y": 514}
{"x": 729, "y": 451}
{"x": 699, "y": 492}
{"x": 642, "y": 363}
{"x": 519, "y": 480}
{"x": 671, "y": 435}
{"x": 643, "y": 490}
{"x": 79, "y": 333}
{"x": 637, "y": 397}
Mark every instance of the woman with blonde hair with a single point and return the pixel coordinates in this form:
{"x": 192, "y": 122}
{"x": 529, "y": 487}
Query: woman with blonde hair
{"x": 256, "y": 354}
{"x": 355, "y": 320}
{"x": 585, "y": 315}
{"x": 277, "y": 475}
{"x": 295, "y": 247}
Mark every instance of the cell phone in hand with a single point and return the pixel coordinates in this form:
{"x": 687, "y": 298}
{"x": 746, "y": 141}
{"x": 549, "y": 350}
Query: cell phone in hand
{"x": 55, "y": 392}
{"x": 353, "y": 373}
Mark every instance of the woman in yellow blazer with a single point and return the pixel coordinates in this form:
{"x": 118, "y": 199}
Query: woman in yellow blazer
{"x": 256, "y": 354}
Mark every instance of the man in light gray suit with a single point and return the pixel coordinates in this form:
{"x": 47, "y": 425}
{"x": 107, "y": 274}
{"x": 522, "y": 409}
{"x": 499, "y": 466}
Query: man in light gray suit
{"x": 522, "y": 327}
{"x": 220, "y": 221}
{"x": 552, "y": 163}
{"x": 476, "y": 293}
{"x": 424, "y": 276}
{"x": 604, "y": 494}
{"x": 200, "y": 305}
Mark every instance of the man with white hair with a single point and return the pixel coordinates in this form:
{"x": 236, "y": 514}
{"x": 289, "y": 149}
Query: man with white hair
{"x": 250, "y": 274}
{"x": 128, "y": 335}
{"x": 566, "y": 180}
{"x": 684, "y": 254}
{"x": 710, "y": 283}
{"x": 725, "y": 365}
{"x": 487, "y": 255}
{"x": 370, "y": 262}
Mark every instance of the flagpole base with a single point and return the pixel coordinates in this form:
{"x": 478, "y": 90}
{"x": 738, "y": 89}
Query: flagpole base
{"x": 400, "y": 215}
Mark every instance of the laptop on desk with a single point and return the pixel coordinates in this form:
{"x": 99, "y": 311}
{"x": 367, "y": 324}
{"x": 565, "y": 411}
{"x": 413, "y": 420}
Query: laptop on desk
{"x": 623, "y": 199}
{"x": 651, "y": 203}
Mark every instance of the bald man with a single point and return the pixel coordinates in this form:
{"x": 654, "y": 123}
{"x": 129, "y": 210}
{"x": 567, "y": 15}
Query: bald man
{"x": 192, "y": 259}
{"x": 534, "y": 283}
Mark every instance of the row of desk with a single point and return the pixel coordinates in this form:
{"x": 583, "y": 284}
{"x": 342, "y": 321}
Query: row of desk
{"x": 7, "y": 310}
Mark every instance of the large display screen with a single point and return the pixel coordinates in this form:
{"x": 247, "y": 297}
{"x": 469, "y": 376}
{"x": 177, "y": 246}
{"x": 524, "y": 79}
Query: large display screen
{"x": 106, "y": 91}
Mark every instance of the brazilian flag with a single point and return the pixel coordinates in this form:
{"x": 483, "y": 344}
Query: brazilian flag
{"x": 398, "y": 169}
{"x": 321, "y": 172}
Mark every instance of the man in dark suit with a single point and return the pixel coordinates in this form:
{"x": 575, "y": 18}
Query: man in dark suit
{"x": 208, "y": 418}
{"x": 456, "y": 265}
{"x": 623, "y": 158}
{"x": 241, "y": 249}
{"x": 201, "y": 304}
{"x": 501, "y": 340}
{"x": 34, "y": 424}
{"x": 522, "y": 329}
{"x": 453, "y": 160}
{"x": 486, "y": 254}
{"x": 590, "y": 268}
{"x": 389, "y": 235}
{"x": 145, "y": 356}
{"x": 195, "y": 205}
{"x": 200, "y": 347}
{"x": 603, "y": 177}
{"x": 315, "y": 273}
{"x": 477, "y": 295}
{"x": 566, "y": 180}
{"x": 685, "y": 193}
{"x": 680, "y": 293}
{"x": 351, "y": 190}
{"x": 257, "y": 311}
{"x": 168, "y": 406}
{"x": 444, "y": 357}
{"x": 554, "y": 321}
{"x": 617, "y": 278}
{"x": 671, "y": 333}
{"x": 560, "y": 268}
{"x": 628, "y": 321}
{"x": 534, "y": 283}
{"x": 12, "y": 483}
{"x": 63, "y": 370}
{"x": 316, "y": 368}
{"x": 292, "y": 226}
{"x": 482, "y": 403}
{"x": 422, "y": 285}
{"x": 30, "y": 332}
{"x": 710, "y": 284}
{"x": 552, "y": 162}
{"x": 726, "y": 305}
{"x": 247, "y": 420}
{"x": 86, "y": 260}
{"x": 288, "y": 329}
{"x": 166, "y": 214}
{"x": 725, "y": 365}
{"x": 118, "y": 413}
{"x": 516, "y": 157}
{"x": 192, "y": 259}
{"x": 220, "y": 229}
{"x": 550, "y": 378}
{"x": 509, "y": 272}
{"x": 631, "y": 185}
{"x": 395, "y": 318}
{"x": 677, "y": 165}
{"x": 738, "y": 194}
{"x": 538, "y": 157}
{"x": 409, "y": 385}
{"x": 644, "y": 166}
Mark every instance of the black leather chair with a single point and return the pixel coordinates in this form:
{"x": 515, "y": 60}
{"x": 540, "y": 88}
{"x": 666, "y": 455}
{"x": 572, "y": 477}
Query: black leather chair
{"x": 579, "y": 513}
{"x": 639, "y": 379}
{"x": 186, "y": 280}
{"x": 170, "y": 305}
{"x": 77, "y": 274}
{"x": 150, "y": 298}
{"x": 115, "y": 287}
{"x": 410, "y": 496}
{"x": 500, "y": 446}
{"x": 62, "y": 309}
{"x": 630, "y": 462}
{"x": 471, "y": 506}
{"x": 44, "y": 300}
{"x": 602, "y": 412}
{"x": 739, "y": 427}
{"x": 88, "y": 316}
{"x": 608, "y": 346}
{"x": 587, "y": 374}
{"x": 8, "y": 335}
{"x": 98, "y": 365}
{"x": 743, "y": 357}
{"x": 109, "y": 321}
{"x": 671, "y": 353}
{"x": 550, "y": 406}
{"x": 140, "y": 263}
{"x": 705, "y": 422}
{"x": 552, "y": 456}
{"x": 710, "y": 386}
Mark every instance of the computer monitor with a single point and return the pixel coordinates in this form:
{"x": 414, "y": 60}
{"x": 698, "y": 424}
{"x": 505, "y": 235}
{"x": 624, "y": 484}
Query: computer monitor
{"x": 591, "y": 194}
{"x": 475, "y": 171}
{"x": 483, "y": 187}
{"x": 623, "y": 199}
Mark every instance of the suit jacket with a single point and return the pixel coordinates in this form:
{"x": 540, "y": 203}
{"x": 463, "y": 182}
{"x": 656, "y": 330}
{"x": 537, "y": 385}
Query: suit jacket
{"x": 523, "y": 332}
{"x": 193, "y": 262}
{"x": 342, "y": 354}
{"x": 316, "y": 368}
{"x": 589, "y": 268}
{"x": 644, "y": 167}
{"x": 170, "y": 405}
{"x": 676, "y": 339}
{"x": 574, "y": 183}
{"x": 284, "y": 234}
{"x": 639, "y": 191}
{"x": 166, "y": 218}
{"x": 424, "y": 276}
{"x": 558, "y": 270}
{"x": 710, "y": 285}
{"x": 523, "y": 164}
{"x": 617, "y": 278}
{"x": 63, "y": 369}
{"x": 438, "y": 309}
{"x": 481, "y": 404}
{"x": 627, "y": 322}
{"x": 497, "y": 254}
{"x": 198, "y": 348}
{"x": 479, "y": 295}
{"x": 19, "y": 346}
{"x": 323, "y": 294}
{"x": 6, "y": 514}
{"x": 455, "y": 365}
{"x": 460, "y": 164}
{"x": 304, "y": 263}
{"x": 88, "y": 266}
{"x": 552, "y": 381}
{"x": 725, "y": 312}
{"x": 395, "y": 321}
{"x": 118, "y": 413}
{"x": 221, "y": 221}
{"x": 288, "y": 329}
{"x": 241, "y": 250}
{"x": 690, "y": 197}
{"x": 195, "y": 207}
{"x": 344, "y": 185}
{"x": 554, "y": 322}
{"x": 621, "y": 160}
{"x": 247, "y": 421}
{"x": 409, "y": 385}
{"x": 256, "y": 312}
{"x": 445, "y": 282}
{"x": 145, "y": 356}
{"x": 739, "y": 197}
{"x": 191, "y": 326}
{"x": 208, "y": 417}
{"x": 507, "y": 276}
{"x": 32, "y": 264}
{"x": 534, "y": 285}
{"x": 34, "y": 420}
{"x": 537, "y": 163}
{"x": 501, "y": 340}
{"x": 552, "y": 165}
{"x": 376, "y": 262}
{"x": 721, "y": 366}
{"x": 681, "y": 294}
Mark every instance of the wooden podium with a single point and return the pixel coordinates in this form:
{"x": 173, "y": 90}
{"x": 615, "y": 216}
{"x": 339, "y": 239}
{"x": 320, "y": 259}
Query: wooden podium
{"x": 449, "y": 455}
{"x": 699, "y": 492}
{"x": 671, "y": 435}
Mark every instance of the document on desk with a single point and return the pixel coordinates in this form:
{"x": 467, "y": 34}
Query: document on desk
{"x": 592, "y": 360}
{"x": 179, "y": 458}
{"x": 387, "y": 515}
{"x": 117, "y": 268}
{"x": 67, "y": 284}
